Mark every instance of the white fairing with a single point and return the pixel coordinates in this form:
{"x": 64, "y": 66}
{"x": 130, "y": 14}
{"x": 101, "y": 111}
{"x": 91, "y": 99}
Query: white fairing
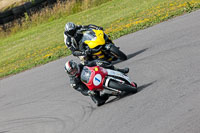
{"x": 118, "y": 74}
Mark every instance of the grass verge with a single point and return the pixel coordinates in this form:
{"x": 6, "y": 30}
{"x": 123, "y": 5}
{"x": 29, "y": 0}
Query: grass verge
{"x": 43, "y": 42}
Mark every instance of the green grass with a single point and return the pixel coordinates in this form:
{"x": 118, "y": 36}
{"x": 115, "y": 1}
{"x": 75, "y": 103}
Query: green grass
{"x": 43, "y": 42}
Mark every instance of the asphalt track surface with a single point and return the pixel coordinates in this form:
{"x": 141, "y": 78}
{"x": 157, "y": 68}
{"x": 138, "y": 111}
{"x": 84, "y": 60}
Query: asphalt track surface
{"x": 165, "y": 62}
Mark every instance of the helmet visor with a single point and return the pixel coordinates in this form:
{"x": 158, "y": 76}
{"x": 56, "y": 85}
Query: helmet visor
{"x": 73, "y": 72}
{"x": 72, "y": 32}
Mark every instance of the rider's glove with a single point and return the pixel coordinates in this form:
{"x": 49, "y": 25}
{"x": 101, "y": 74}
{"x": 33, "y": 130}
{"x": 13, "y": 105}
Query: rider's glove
{"x": 83, "y": 53}
{"x": 100, "y": 28}
{"x": 88, "y": 51}
{"x": 99, "y": 63}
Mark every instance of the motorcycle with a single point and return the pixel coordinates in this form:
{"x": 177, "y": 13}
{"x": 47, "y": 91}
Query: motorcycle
{"x": 107, "y": 81}
{"x": 100, "y": 45}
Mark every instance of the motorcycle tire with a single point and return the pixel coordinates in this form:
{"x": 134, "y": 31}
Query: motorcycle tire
{"x": 117, "y": 53}
{"x": 122, "y": 87}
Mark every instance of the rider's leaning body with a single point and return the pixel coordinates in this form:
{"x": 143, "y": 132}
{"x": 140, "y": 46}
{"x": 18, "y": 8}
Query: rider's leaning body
{"x": 73, "y": 36}
{"x": 74, "y": 71}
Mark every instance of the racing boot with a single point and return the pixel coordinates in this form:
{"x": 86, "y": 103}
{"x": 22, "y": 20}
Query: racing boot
{"x": 125, "y": 70}
{"x": 97, "y": 99}
{"x": 104, "y": 97}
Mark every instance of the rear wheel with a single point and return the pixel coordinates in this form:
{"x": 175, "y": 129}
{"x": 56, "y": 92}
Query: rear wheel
{"x": 122, "y": 87}
{"x": 118, "y": 53}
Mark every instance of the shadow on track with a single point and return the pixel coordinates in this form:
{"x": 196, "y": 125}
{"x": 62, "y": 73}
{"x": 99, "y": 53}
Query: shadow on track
{"x": 140, "y": 88}
{"x": 129, "y": 56}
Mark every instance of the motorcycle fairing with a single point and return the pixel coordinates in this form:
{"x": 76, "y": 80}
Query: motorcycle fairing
{"x": 94, "y": 39}
{"x": 93, "y": 77}
{"x": 118, "y": 74}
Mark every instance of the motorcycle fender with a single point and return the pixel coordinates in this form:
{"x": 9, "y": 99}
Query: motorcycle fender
{"x": 118, "y": 74}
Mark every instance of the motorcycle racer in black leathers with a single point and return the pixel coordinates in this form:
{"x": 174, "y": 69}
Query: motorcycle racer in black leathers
{"x": 73, "y": 36}
{"x": 74, "y": 70}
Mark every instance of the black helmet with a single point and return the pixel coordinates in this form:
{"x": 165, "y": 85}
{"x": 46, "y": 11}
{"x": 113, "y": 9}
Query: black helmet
{"x": 70, "y": 28}
{"x": 72, "y": 68}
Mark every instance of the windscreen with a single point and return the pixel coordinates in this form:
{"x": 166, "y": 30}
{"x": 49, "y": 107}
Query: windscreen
{"x": 89, "y": 35}
{"x": 85, "y": 75}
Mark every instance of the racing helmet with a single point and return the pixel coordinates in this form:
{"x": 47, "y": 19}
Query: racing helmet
{"x": 72, "y": 68}
{"x": 70, "y": 29}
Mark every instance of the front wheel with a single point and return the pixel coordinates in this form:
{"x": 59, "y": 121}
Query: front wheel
{"x": 122, "y": 87}
{"x": 117, "y": 53}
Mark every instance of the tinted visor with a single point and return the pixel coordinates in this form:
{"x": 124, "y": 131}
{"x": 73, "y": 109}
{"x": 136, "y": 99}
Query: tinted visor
{"x": 71, "y": 32}
{"x": 73, "y": 72}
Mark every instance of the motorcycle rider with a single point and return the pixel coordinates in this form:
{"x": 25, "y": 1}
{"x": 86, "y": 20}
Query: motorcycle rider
{"x": 73, "y": 36}
{"x": 74, "y": 70}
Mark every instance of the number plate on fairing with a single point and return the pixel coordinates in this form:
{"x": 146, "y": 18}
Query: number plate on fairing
{"x": 97, "y": 79}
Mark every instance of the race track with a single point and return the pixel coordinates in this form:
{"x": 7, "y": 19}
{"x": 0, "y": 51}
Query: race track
{"x": 165, "y": 62}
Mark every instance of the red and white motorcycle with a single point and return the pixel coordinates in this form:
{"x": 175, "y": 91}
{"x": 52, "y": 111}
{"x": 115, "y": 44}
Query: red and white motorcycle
{"x": 107, "y": 81}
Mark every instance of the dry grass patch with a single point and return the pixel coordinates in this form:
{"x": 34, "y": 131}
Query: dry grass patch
{"x": 7, "y": 4}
